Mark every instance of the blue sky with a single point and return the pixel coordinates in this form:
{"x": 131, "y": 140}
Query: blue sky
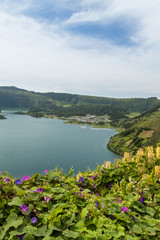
{"x": 95, "y": 47}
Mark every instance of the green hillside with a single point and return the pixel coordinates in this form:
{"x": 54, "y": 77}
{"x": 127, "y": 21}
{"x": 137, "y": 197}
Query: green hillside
{"x": 15, "y": 97}
{"x": 141, "y": 131}
{"x": 19, "y": 98}
{"x": 66, "y": 105}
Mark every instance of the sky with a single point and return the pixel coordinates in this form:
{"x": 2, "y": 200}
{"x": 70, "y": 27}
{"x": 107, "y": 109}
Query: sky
{"x": 105, "y": 48}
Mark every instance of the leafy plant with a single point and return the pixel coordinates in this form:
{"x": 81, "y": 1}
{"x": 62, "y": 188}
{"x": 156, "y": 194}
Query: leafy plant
{"x": 116, "y": 201}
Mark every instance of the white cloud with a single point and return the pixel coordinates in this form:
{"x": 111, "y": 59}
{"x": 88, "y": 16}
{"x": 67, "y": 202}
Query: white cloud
{"x": 43, "y": 56}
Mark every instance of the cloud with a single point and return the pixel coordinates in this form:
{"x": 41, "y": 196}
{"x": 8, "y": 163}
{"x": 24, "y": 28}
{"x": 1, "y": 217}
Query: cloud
{"x": 108, "y": 48}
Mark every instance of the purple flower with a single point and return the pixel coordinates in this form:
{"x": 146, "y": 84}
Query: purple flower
{"x": 102, "y": 205}
{"x": 103, "y": 172}
{"x": 142, "y": 193}
{"x": 76, "y": 193}
{"x": 132, "y": 218}
{"x": 33, "y": 220}
{"x": 94, "y": 186}
{"x": 142, "y": 200}
{"x": 93, "y": 176}
{"x": 88, "y": 215}
{"x": 124, "y": 209}
{"x": 40, "y": 190}
{"x": 97, "y": 204}
{"x": 80, "y": 194}
{"x": 97, "y": 194}
{"x": 24, "y": 208}
{"x": 25, "y": 178}
{"x": 19, "y": 181}
{"x": 110, "y": 216}
{"x": 46, "y": 171}
{"x": 46, "y": 199}
{"x": 6, "y": 180}
{"x": 119, "y": 201}
{"x": 81, "y": 179}
{"x": 20, "y": 236}
{"x": 109, "y": 186}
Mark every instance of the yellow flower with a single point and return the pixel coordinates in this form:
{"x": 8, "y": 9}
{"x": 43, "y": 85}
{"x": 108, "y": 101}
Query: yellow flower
{"x": 158, "y": 152}
{"x": 157, "y": 171}
{"x": 127, "y": 157}
{"x": 106, "y": 165}
{"x": 150, "y": 154}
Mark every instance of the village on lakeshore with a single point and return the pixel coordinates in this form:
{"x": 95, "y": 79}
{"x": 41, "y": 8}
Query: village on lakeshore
{"x": 92, "y": 119}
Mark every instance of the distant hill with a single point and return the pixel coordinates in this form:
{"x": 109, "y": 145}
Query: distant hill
{"x": 140, "y": 132}
{"x": 20, "y": 98}
{"x": 65, "y": 104}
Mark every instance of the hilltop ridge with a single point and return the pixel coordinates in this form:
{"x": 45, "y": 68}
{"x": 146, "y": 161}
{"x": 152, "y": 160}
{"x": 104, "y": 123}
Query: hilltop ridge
{"x": 65, "y": 104}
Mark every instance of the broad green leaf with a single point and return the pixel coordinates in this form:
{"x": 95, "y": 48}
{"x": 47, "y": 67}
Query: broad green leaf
{"x": 28, "y": 236}
{"x": 128, "y": 237}
{"x": 112, "y": 210}
{"x": 2, "y": 203}
{"x": 16, "y": 201}
{"x": 58, "y": 190}
{"x": 12, "y": 221}
{"x": 32, "y": 196}
{"x": 60, "y": 196}
{"x": 37, "y": 231}
{"x": 20, "y": 192}
{"x": 91, "y": 234}
{"x": 150, "y": 231}
{"x": 84, "y": 212}
{"x": 80, "y": 226}
{"x": 150, "y": 211}
{"x": 137, "y": 229}
{"x": 50, "y": 230}
{"x": 70, "y": 234}
{"x": 48, "y": 238}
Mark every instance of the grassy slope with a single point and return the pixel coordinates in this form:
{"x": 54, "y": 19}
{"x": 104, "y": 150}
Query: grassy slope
{"x": 144, "y": 131}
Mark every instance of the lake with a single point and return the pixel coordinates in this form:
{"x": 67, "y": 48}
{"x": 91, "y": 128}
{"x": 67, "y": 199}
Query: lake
{"x": 29, "y": 145}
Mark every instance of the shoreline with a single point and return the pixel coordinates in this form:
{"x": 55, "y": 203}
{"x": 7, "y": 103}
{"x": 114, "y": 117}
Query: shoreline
{"x": 105, "y": 125}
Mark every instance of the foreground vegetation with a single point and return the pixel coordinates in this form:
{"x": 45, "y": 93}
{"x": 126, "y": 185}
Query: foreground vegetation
{"x": 116, "y": 201}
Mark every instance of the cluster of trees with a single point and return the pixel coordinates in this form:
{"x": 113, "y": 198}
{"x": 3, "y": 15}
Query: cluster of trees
{"x": 115, "y": 113}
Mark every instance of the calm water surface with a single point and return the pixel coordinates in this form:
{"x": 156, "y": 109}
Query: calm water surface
{"x": 29, "y": 145}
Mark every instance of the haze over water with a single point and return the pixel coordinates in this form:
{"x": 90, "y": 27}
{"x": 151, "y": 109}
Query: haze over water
{"x": 29, "y": 145}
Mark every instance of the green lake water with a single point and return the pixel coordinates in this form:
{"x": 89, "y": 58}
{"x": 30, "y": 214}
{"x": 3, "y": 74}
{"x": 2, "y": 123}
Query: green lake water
{"x": 29, "y": 145}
